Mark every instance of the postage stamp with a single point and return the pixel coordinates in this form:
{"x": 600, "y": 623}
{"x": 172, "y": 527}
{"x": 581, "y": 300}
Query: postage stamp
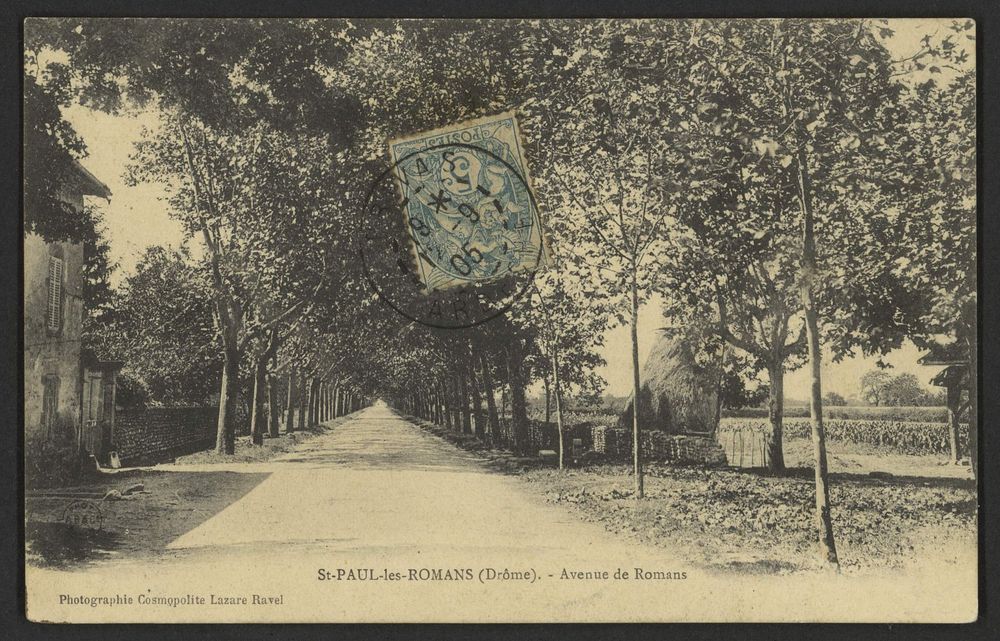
{"x": 466, "y": 198}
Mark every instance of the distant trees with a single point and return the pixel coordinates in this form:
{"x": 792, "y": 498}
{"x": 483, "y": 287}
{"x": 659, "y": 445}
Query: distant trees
{"x": 904, "y": 389}
{"x": 880, "y": 388}
{"x": 873, "y": 386}
{"x": 833, "y": 398}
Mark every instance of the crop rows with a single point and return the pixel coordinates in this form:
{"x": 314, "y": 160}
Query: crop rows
{"x": 905, "y": 437}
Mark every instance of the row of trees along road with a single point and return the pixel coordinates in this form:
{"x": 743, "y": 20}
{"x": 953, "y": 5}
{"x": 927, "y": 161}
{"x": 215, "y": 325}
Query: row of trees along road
{"x": 788, "y": 187}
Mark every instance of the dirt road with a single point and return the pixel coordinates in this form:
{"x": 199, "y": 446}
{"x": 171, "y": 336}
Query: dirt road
{"x": 378, "y": 520}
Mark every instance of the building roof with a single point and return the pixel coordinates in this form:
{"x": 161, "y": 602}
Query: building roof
{"x": 951, "y": 354}
{"x": 91, "y": 186}
{"x": 953, "y": 375}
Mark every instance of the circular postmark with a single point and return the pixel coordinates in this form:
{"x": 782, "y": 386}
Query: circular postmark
{"x": 451, "y": 235}
{"x": 83, "y": 514}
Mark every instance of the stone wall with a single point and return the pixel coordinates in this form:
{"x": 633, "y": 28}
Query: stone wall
{"x": 153, "y": 435}
{"x": 545, "y": 436}
{"x": 616, "y": 444}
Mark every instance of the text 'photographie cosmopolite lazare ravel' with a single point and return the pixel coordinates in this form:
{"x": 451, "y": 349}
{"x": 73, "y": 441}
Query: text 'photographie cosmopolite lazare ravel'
{"x": 614, "y": 321}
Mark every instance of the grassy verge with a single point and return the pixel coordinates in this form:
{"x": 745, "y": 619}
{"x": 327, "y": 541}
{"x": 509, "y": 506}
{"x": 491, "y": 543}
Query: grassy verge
{"x": 746, "y": 521}
{"x": 742, "y": 520}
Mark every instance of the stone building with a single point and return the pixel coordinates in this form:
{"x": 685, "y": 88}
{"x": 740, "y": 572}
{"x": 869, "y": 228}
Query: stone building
{"x": 68, "y": 394}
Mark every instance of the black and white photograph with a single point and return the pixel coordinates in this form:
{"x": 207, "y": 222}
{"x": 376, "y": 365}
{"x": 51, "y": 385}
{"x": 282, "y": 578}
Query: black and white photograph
{"x": 500, "y": 320}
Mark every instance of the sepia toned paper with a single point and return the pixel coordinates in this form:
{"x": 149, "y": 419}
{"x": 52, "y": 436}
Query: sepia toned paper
{"x": 691, "y": 336}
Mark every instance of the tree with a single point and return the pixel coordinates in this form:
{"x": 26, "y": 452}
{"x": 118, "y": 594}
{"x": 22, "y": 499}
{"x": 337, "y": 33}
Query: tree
{"x": 54, "y": 148}
{"x": 229, "y": 88}
{"x": 904, "y": 389}
{"x": 833, "y": 398}
{"x": 160, "y": 324}
{"x": 734, "y": 272}
{"x": 232, "y": 191}
{"x": 601, "y": 142}
{"x": 819, "y": 105}
{"x": 570, "y": 328}
{"x": 874, "y": 385}
{"x": 938, "y": 266}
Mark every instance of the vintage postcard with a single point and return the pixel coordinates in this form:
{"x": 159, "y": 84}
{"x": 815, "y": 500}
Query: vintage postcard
{"x": 378, "y": 320}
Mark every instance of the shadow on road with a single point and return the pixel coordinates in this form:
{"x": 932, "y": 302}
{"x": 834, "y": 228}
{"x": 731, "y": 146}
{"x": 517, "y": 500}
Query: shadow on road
{"x": 74, "y": 526}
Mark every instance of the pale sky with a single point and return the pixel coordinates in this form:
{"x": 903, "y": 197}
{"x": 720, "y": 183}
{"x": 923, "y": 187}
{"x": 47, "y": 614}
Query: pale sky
{"x": 841, "y": 378}
{"x": 136, "y": 218}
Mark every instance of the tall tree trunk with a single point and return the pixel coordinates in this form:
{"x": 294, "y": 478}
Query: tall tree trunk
{"x": 718, "y": 399}
{"x": 229, "y": 393}
{"x": 220, "y": 431}
{"x": 775, "y": 414}
{"x": 446, "y": 401}
{"x": 505, "y": 423}
{"x": 290, "y": 404}
{"x": 491, "y": 401}
{"x": 548, "y": 400}
{"x": 636, "y": 445}
{"x": 953, "y": 400}
{"x": 824, "y": 519}
{"x": 303, "y": 401}
{"x": 273, "y": 413}
{"x": 518, "y": 408}
{"x": 463, "y": 389}
{"x": 257, "y": 410}
{"x": 314, "y": 402}
{"x": 477, "y": 401}
{"x": 974, "y": 402}
{"x": 559, "y": 418}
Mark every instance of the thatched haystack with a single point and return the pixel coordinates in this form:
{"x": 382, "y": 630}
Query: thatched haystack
{"x": 678, "y": 395}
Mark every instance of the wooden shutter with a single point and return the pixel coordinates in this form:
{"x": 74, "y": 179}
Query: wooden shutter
{"x": 54, "y": 312}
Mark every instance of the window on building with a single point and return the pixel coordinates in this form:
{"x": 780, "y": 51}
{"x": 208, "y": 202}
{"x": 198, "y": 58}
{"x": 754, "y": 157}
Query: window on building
{"x": 54, "y": 312}
{"x": 50, "y": 402}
